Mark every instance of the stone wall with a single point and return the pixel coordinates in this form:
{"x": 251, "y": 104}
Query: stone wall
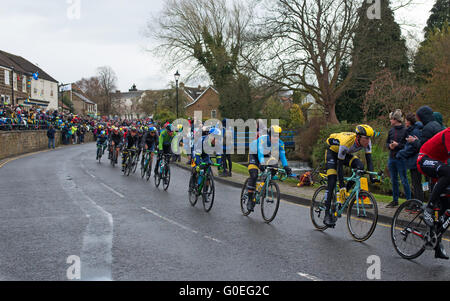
{"x": 13, "y": 143}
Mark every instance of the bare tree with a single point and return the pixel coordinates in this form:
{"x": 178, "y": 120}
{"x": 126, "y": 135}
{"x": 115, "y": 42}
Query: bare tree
{"x": 91, "y": 87}
{"x": 302, "y": 44}
{"x": 207, "y": 35}
{"x": 107, "y": 80}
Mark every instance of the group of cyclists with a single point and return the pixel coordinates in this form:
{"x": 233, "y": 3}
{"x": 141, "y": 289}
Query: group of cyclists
{"x": 267, "y": 150}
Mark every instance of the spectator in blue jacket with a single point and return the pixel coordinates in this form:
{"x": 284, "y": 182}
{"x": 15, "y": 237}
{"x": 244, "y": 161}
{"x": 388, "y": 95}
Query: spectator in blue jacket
{"x": 409, "y": 154}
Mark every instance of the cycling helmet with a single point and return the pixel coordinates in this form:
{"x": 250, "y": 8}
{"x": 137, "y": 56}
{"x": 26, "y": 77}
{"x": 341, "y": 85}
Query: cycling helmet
{"x": 152, "y": 129}
{"x": 169, "y": 127}
{"x": 141, "y": 131}
{"x": 180, "y": 127}
{"x": 103, "y": 133}
{"x": 364, "y": 130}
{"x": 214, "y": 131}
{"x": 275, "y": 129}
{"x": 133, "y": 129}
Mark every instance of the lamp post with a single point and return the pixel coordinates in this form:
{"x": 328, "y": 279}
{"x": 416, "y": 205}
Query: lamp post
{"x": 156, "y": 107}
{"x": 12, "y": 86}
{"x": 177, "y": 77}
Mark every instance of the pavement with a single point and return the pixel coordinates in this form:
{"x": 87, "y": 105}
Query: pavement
{"x": 60, "y": 206}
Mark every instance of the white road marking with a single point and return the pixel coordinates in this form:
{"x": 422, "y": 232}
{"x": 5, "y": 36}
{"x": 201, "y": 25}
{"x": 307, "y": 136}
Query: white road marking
{"x": 170, "y": 221}
{"x": 310, "y": 277}
{"x": 212, "y": 238}
{"x": 180, "y": 225}
{"x": 96, "y": 250}
{"x": 113, "y": 191}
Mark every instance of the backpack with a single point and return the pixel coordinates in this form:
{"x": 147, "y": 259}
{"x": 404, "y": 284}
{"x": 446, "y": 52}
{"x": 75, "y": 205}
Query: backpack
{"x": 306, "y": 180}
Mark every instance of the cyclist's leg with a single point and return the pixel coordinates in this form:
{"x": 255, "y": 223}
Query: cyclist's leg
{"x": 436, "y": 169}
{"x": 331, "y": 167}
{"x": 253, "y": 170}
{"x": 124, "y": 155}
{"x": 144, "y": 154}
{"x": 354, "y": 163}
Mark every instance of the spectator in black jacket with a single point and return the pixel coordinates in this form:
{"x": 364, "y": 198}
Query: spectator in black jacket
{"x": 409, "y": 154}
{"x": 51, "y": 137}
{"x": 430, "y": 127}
{"x": 395, "y": 142}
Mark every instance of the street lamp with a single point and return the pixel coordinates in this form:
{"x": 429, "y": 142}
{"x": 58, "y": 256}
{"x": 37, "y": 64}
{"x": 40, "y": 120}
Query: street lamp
{"x": 177, "y": 77}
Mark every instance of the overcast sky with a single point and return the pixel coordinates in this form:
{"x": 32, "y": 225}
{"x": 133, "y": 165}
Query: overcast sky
{"x": 108, "y": 32}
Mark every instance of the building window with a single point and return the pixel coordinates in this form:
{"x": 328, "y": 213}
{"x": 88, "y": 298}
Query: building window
{"x": 7, "y": 80}
{"x": 2, "y": 98}
{"x": 15, "y": 81}
{"x": 213, "y": 114}
{"x": 24, "y": 84}
{"x": 8, "y": 99}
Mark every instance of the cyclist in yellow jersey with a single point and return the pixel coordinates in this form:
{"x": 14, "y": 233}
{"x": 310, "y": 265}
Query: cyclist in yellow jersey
{"x": 340, "y": 152}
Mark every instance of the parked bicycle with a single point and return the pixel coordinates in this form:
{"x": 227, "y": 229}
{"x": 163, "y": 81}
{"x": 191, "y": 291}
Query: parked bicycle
{"x": 360, "y": 205}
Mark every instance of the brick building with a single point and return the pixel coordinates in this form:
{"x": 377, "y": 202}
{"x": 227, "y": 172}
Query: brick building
{"x": 205, "y": 100}
{"x": 17, "y": 85}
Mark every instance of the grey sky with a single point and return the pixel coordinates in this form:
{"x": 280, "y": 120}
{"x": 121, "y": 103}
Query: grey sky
{"x": 109, "y": 32}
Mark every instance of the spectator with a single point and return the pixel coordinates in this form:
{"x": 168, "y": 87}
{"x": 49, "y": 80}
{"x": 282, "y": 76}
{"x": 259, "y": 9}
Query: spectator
{"x": 395, "y": 142}
{"x": 51, "y": 137}
{"x": 438, "y": 117}
{"x": 227, "y": 134}
{"x": 430, "y": 127}
{"x": 409, "y": 155}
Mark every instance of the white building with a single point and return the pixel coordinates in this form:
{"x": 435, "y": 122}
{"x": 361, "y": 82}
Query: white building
{"x": 43, "y": 90}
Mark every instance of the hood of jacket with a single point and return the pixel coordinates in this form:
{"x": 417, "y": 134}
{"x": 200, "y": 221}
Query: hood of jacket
{"x": 425, "y": 115}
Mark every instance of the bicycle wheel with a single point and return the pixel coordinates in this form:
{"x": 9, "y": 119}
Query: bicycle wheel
{"x": 129, "y": 165}
{"x": 99, "y": 154}
{"x": 244, "y": 199}
{"x": 193, "y": 196}
{"x": 125, "y": 168}
{"x": 270, "y": 202}
{"x": 362, "y": 216}
{"x": 317, "y": 208}
{"x": 135, "y": 162}
{"x": 157, "y": 176}
{"x": 113, "y": 160}
{"x": 208, "y": 193}
{"x": 408, "y": 230}
{"x": 166, "y": 178}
